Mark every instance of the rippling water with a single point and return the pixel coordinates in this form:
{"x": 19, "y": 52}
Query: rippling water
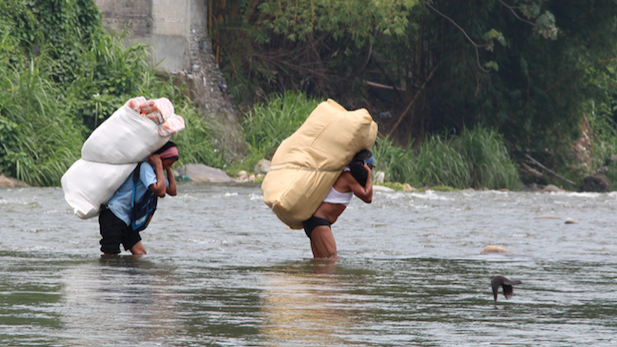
{"x": 221, "y": 270}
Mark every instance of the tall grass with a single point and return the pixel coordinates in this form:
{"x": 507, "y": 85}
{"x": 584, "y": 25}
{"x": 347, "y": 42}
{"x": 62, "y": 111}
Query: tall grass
{"x": 603, "y": 140}
{"x": 267, "y": 125}
{"x": 396, "y": 161}
{"x": 477, "y": 158}
{"x": 38, "y": 138}
{"x": 437, "y": 163}
{"x": 490, "y": 165}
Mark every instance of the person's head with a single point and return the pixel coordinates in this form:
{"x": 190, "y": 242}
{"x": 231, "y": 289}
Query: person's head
{"x": 364, "y": 156}
{"x": 357, "y": 163}
{"x": 169, "y": 154}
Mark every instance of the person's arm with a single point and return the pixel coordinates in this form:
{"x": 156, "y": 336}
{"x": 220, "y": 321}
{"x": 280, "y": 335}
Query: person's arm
{"x": 158, "y": 188}
{"x": 364, "y": 193}
{"x": 171, "y": 189}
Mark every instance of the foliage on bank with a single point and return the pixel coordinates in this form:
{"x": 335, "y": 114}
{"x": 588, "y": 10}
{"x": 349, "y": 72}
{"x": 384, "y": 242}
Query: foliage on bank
{"x": 476, "y": 158}
{"x": 62, "y": 75}
{"x": 530, "y": 69}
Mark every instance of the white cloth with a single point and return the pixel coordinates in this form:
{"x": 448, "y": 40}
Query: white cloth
{"x": 124, "y": 138}
{"x": 336, "y": 197}
{"x": 87, "y": 185}
{"x": 113, "y": 150}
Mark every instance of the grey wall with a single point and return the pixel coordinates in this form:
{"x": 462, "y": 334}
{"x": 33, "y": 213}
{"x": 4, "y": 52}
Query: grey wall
{"x": 177, "y": 31}
{"x": 166, "y": 25}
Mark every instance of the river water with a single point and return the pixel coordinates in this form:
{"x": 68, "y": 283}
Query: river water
{"x": 222, "y": 270}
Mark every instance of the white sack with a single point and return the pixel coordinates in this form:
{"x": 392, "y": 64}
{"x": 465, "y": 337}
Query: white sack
{"x": 124, "y": 138}
{"x": 88, "y": 184}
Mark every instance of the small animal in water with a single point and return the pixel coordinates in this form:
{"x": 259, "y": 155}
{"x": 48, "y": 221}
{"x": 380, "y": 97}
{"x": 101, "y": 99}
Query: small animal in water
{"x": 505, "y": 283}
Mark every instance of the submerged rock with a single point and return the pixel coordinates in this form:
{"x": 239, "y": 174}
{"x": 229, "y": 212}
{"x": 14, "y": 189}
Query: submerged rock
{"x": 11, "y": 182}
{"x": 552, "y": 189}
{"x": 494, "y": 249}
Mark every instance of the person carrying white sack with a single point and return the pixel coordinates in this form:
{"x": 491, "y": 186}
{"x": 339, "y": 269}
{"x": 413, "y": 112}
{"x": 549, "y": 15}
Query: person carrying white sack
{"x": 117, "y": 217}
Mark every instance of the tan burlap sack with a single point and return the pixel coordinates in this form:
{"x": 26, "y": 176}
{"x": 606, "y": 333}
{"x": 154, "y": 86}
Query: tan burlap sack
{"x": 306, "y": 165}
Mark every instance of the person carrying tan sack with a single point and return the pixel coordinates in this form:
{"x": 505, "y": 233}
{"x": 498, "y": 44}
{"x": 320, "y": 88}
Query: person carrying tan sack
{"x": 354, "y": 180}
{"x": 120, "y": 220}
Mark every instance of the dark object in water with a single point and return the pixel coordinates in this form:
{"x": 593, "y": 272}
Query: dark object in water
{"x": 497, "y": 281}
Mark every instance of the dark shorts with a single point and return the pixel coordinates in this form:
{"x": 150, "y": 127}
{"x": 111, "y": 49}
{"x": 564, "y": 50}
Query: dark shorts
{"x": 312, "y": 223}
{"x": 115, "y": 232}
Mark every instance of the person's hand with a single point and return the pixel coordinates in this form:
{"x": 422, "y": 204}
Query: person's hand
{"x": 366, "y": 168}
{"x": 155, "y": 160}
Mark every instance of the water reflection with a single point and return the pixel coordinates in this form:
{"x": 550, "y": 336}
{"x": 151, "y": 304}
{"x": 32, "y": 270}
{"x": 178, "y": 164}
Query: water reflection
{"x": 307, "y": 304}
{"x": 29, "y": 300}
{"x": 118, "y": 300}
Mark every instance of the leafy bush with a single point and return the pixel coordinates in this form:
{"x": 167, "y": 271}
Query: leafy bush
{"x": 62, "y": 75}
{"x": 198, "y": 142}
{"x": 39, "y": 139}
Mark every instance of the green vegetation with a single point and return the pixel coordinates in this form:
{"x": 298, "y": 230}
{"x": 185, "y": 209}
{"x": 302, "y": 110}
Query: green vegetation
{"x": 267, "y": 125}
{"x": 61, "y": 75}
{"x": 477, "y": 158}
{"x": 473, "y": 89}
{"x": 490, "y": 165}
{"x": 37, "y": 137}
{"x": 531, "y": 70}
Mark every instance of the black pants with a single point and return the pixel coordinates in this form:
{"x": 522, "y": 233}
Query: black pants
{"x": 115, "y": 232}
{"x": 312, "y": 223}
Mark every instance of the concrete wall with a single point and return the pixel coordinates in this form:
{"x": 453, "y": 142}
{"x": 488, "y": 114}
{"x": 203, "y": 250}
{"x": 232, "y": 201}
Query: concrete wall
{"x": 177, "y": 31}
{"x": 163, "y": 24}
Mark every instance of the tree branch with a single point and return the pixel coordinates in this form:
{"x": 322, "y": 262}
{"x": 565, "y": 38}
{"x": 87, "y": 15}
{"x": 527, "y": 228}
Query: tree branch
{"x": 412, "y": 101}
{"x": 511, "y": 8}
{"x": 547, "y": 169}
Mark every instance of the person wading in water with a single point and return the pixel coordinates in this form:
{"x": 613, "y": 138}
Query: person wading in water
{"x": 115, "y": 218}
{"x": 354, "y": 180}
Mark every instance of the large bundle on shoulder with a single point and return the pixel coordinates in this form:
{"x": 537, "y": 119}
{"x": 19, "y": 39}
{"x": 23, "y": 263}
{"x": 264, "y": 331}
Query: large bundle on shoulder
{"x": 111, "y": 153}
{"x": 306, "y": 165}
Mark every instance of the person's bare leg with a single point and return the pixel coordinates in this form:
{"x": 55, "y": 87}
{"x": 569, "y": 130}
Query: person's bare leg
{"x": 138, "y": 249}
{"x": 322, "y": 242}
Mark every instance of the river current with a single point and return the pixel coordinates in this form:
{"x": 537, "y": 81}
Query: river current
{"x": 222, "y": 270}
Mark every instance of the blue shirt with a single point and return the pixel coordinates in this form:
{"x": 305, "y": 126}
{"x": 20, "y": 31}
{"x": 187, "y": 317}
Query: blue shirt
{"x": 120, "y": 202}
